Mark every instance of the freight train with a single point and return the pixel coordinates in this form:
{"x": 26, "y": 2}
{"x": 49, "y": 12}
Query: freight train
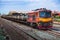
{"x": 41, "y": 19}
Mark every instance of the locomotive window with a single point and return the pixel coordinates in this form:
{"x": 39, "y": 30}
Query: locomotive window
{"x": 31, "y": 16}
{"x": 48, "y": 14}
{"x": 45, "y": 14}
{"x": 42, "y": 14}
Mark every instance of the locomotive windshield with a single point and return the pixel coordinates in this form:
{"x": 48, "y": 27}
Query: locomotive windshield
{"x": 45, "y": 14}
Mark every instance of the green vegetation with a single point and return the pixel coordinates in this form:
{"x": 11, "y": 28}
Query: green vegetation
{"x": 57, "y": 18}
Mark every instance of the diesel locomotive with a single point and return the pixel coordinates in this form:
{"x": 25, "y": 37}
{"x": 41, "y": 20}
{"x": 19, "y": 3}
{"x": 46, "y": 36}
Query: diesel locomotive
{"x": 41, "y": 18}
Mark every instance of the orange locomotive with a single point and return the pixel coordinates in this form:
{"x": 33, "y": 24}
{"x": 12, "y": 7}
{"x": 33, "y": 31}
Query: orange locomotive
{"x": 41, "y": 19}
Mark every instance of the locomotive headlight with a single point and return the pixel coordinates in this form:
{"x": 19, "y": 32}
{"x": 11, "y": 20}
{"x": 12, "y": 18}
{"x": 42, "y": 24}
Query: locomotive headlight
{"x": 38, "y": 23}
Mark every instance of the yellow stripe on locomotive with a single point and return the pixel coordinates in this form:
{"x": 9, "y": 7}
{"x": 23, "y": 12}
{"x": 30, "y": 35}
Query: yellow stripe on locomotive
{"x": 45, "y": 19}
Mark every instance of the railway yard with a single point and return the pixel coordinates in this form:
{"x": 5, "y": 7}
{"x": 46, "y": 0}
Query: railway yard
{"x": 18, "y": 31}
{"x": 40, "y": 24}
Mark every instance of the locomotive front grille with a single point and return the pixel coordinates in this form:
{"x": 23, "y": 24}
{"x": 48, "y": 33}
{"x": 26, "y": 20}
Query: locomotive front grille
{"x": 45, "y": 24}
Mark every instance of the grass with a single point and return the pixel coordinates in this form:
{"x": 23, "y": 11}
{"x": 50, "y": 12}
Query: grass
{"x": 57, "y": 19}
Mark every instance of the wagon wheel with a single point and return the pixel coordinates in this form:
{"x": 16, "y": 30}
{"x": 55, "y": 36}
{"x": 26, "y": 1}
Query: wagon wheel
{"x": 31, "y": 24}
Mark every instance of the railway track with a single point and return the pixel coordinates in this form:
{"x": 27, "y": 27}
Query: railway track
{"x": 16, "y": 28}
{"x": 15, "y": 33}
{"x": 36, "y": 34}
{"x": 54, "y": 32}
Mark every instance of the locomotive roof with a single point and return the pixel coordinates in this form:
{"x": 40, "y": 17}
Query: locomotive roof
{"x": 39, "y": 11}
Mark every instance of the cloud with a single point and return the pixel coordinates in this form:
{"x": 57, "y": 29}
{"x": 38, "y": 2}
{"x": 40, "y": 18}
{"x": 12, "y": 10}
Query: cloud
{"x": 44, "y": 4}
{"x": 7, "y": 5}
{"x": 20, "y": 0}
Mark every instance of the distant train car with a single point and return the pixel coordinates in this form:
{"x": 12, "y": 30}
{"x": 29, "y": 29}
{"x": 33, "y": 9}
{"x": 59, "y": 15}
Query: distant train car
{"x": 23, "y": 16}
{"x": 41, "y": 19}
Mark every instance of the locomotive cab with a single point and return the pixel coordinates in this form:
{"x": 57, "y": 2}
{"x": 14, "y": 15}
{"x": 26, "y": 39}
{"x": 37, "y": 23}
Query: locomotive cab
{"x": 45, "y": 19}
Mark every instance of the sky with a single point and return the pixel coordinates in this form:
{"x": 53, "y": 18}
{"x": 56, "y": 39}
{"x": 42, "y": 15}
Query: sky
{"x": 27, "y": 5}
